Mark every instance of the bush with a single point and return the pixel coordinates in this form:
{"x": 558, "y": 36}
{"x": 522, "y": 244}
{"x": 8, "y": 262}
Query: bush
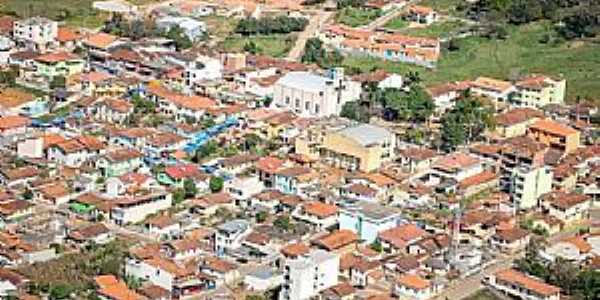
{"x": 270, "y": 25}
{"x": 216, "y": 184}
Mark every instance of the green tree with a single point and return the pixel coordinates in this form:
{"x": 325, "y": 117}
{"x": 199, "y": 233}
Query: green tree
{"x": 60, "y": 291}
{"x": 284, "y": 223}
{"x": 252, "y": 48}
{"x": 58, "y": 82}
{"x": 376, "y": 245}
{"x": 28, "y": 194}
{"x": 261, "y": 216}
{"x": 466, "y": 122}
{"x": 181, "y": 40}
{"x": 206, "y": 150}
{"x": 178, "y": 196}
{"x": 414, "y": 106}
{"x": 216, "y": 184}
{"x": 189, "y": 188}
{"x": 354, "y": 111}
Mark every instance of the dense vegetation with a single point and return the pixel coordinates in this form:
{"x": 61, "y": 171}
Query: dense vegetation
{"x": 270, "y": 25}
{"x": 582, "y": 284}
{"x": 466, "y": 122}
{"x": 315, "y": 53}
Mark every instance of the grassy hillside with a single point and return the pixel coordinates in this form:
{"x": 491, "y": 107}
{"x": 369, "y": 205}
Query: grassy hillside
{"x": 73, "y": 12}
{"x": 520, "y": 53}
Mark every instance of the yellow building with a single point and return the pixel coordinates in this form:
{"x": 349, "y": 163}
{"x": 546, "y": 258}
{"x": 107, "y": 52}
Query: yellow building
{"x": 515, "y": 122}
{"x": 538, "y": 91}
{"x": 364, "y": 147}
{"x": 555, "y": 135}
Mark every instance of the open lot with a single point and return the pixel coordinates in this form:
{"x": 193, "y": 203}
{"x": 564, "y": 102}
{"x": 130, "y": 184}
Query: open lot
{"x": 520, "y": 53}
{"x": 273, "y": 45}
{"x": 355, "y": 17}
{"x": 484, "y": 294}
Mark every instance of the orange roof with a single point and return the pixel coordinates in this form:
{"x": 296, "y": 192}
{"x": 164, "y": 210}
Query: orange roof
{"x": 477, "y": 179}
{"x": 456, "y": 161}
{"x": 111, "y": 287}
{"x": 319, "y": 209}
{"x": 10, "y": 98}
{"x": 492, "y": 84}
{"x": 269, "y": 164}
{"x": 413, "y": 281}
{"x": 527, "y": 282}
{"x": 419, "y": 9}
{"x": 66, "y": 34}
{"x": 553, "y": 127}
{"x": 580, "y": 243}
{"x": 105, "y": 280}
{"x": 56, "y": 57}
{"x": 95, "y": 76}
{"x": 11, "y": 122}
{"x": 51, "y": 139}
{"x": 295, "y": 249}
{"x": 337, "y": 239}
{"x": 100, "y": 40}
{"x": 401, "y": 235}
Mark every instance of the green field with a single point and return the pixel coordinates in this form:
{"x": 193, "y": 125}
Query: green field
{"x": 520, "y": 53}
{"x": 435, "y": 30}
{"x": 73, "y": 12}
{"x": 447, "y": 7}
{"x": 273, "y": 45}
{"x": 355, "y": 17}
{"x": 219, "y": 27}
{"x": 396, "y": 24}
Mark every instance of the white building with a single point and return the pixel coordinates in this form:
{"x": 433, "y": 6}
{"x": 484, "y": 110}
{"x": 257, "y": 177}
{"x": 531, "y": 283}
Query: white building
{"x": 137, "y": 208}
{"x": 6, "y": 46}
{"x": 528, "y": 184}
{"x": 367, "y": 220}
{"x": 230, "y": 235}
{"x": 193, "y": 29}
{"x": 522, "y": 286}
{"x": 410, "y": 286}
{"x": 202, "y": 69}
{"x": 37, "y": 32}
{"x": 243, "y": 188}
{"x": 306, "y": 276}
{"x": 311, "y": 95}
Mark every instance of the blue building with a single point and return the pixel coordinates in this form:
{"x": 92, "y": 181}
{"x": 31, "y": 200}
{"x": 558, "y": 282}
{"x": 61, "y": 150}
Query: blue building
{"x": 368, "y": 219}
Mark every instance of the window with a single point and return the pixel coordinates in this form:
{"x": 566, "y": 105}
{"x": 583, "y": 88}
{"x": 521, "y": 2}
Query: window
{"x": 297, "y": 103}
{"x": 287, "y": 100}
{"x": 316, "y": 108}
{"x": 307, "y": 106}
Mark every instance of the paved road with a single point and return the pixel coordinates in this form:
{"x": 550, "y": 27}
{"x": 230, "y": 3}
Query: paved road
{"x": 315, "y": 24}
{"x": 468, "y": 286}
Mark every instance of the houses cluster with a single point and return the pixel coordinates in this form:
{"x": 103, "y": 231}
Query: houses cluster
{"x": 388, "y": 46}
{"x": 233, "y": 174}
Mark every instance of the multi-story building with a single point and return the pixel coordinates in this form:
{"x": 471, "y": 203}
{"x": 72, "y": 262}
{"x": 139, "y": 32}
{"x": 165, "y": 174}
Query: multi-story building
{"x": 307, "y": 275}
{"x": 539, "y": 91}
{"x": 368, "y": 219}
{"x": 522, "y": 286}
{"x": 364, "y": 147}
{"x": 135, "y": 208}
{"x": 58, "y": 64}
{"x": 494, "y": 89}
{"x": 311, "y": 95}
{"x": 528, "y": 184}
{"x": 230, "y": 235}
{"x": 523, "y": 173}
{"x": 37, "y": 33}
{"x": 555, "y": 135}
